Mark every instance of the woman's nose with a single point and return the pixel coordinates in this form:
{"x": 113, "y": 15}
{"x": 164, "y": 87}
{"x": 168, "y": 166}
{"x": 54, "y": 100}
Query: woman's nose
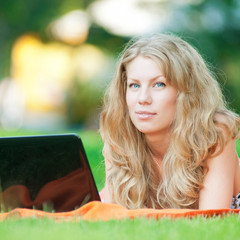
{"x": 144, "y": 97}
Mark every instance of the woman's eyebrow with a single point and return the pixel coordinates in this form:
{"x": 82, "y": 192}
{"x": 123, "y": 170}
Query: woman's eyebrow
{"x": 152, "y": 79}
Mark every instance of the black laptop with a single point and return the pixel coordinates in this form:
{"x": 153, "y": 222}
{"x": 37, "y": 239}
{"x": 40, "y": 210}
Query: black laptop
{"x": 49, "y": 173}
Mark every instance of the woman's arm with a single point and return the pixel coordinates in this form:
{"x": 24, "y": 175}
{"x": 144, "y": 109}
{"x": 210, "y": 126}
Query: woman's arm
{"x": 219, "y": 181}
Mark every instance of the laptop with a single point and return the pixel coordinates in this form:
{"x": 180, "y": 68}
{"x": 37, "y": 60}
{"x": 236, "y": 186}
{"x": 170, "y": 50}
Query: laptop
{"x": 49, "y": 172}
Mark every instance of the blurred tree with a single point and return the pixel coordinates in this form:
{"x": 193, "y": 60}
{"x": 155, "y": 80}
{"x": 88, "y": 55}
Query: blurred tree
{"x": 213, "y": 27}
{"x": 33, "y": 16}
{"x": 18, "y": 17}
{"x": 83, "y": 100}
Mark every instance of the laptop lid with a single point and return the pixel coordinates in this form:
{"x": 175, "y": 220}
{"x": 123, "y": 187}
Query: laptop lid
{"x": 49, "y": 172}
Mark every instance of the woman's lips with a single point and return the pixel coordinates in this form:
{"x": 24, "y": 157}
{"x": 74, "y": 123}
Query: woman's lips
{"x": 143, "y": 115}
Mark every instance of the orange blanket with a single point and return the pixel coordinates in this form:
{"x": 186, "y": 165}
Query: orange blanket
{"x": 104, "y": 211}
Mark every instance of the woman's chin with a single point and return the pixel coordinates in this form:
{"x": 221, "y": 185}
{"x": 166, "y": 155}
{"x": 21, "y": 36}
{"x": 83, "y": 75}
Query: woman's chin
{"x": 153, "y": 131}
{"x": 147, "y": 131}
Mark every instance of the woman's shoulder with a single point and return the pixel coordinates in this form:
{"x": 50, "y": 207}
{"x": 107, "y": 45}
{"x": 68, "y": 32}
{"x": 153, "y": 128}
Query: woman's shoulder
{"x": 228, "y": 123}
{"x": 218, "y": 183}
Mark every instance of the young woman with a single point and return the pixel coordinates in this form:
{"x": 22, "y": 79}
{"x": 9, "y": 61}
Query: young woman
{"x": 169, "y": 139}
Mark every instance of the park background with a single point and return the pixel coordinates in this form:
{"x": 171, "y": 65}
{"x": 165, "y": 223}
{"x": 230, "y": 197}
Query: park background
{"x": 58, "y": 56}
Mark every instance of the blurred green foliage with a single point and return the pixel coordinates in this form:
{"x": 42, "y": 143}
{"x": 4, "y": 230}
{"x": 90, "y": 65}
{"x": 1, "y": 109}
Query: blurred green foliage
{"x": 212, "y": 26}
{"x": 18, "y": 18}
{"x": 83, "y": 99}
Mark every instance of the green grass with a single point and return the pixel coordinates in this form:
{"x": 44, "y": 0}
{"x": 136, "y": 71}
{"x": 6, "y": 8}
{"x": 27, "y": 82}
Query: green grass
{"x": 197, "y": 228}
{"x": 93, "y": 146}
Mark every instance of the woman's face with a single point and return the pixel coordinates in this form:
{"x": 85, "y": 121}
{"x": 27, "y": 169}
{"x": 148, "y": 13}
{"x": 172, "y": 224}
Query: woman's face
{"x": 151, "y": 100}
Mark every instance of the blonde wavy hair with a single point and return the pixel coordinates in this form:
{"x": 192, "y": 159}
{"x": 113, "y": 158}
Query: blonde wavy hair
{"x": 132, "y": 178}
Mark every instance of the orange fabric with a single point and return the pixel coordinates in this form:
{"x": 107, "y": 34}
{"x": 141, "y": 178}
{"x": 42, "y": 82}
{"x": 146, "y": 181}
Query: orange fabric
{"x": 95, "y": 211}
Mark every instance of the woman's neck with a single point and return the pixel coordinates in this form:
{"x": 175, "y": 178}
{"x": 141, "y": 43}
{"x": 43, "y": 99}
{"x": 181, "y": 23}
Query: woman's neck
{"x": 158, "y": 144}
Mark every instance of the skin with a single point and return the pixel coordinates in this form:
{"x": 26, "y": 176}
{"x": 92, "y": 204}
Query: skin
{"x": 151, "y": 102}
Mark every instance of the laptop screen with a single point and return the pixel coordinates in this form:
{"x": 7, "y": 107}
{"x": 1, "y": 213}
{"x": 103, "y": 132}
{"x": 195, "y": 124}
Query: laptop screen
{"x": 50, "y": 173}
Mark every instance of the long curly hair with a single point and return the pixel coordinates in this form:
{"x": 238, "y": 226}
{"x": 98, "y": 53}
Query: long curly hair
{"x": 132, "y": 178}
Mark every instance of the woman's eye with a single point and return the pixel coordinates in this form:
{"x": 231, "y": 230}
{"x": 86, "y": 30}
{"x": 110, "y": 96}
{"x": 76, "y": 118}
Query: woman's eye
{"x": 133, "y": 85}
{"x": 160, "y": 84}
